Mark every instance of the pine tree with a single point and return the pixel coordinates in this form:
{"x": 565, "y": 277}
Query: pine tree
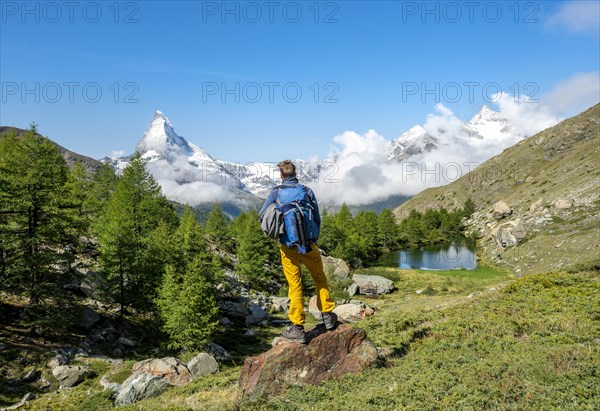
{"x": 388, "y": 230}
{"x": 256, "y": 253}
{"x": 36, "y": 219}
{"x": 188, "y": 305}
{"x": 217, "y": 228}
{"x": 132, "y": 212}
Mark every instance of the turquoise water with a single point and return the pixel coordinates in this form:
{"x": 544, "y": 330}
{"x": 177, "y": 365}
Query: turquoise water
{"x": 439, "y": 257}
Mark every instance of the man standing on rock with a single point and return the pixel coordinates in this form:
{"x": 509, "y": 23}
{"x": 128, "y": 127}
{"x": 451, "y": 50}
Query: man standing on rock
{"x": 297, "y": 246}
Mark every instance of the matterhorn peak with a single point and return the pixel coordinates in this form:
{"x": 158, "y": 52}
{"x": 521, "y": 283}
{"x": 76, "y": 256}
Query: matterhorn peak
{"x": 486, "y": 114}
{"x": 160, "y": 136}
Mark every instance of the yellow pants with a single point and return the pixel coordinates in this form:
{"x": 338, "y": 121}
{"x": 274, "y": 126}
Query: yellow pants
{"x": 290, "y": 260}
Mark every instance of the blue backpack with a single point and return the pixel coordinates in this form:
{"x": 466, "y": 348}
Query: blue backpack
{"x": 301, "y": 229}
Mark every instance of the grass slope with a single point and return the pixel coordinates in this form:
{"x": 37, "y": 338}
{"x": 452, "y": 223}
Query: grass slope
{"x": 470, "y": 340}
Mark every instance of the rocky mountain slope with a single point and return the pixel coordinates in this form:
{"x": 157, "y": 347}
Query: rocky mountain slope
{"x": 538, "y": 205}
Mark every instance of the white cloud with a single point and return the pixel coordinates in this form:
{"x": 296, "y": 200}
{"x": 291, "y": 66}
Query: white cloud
{"x": 575, "y": 94}
{"x": 364, "y": 175}
{"x": 580, "y": 17}
{"x": 117, "y": 154}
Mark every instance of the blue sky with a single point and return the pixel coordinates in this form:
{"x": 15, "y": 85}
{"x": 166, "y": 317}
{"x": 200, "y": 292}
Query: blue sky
{"x": 358, "y": 66}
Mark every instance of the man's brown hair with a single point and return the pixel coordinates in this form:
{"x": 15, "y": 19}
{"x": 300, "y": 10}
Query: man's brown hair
{"x": 287, "y": 168}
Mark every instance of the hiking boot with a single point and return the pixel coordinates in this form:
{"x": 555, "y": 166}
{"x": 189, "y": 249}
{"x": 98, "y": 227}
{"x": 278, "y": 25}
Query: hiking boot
{"x": 330, "y": 320}
{"x": 295, "y": 333}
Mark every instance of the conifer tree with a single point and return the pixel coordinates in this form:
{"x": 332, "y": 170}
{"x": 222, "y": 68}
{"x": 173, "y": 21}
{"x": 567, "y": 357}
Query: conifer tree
{"x": 388, "y": 230}
{"x": 256, "y": 253}
{"x": 217, "y": 228}
{"x": 133, "y": 210}
{"x": 36, "y": 224}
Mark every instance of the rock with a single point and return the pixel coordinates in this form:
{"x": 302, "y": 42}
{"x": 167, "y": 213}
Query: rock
{"x": 327, "y": 355}
{"x": 141, "y": 386}
{"x": 91, "y": 285}
{"x": 279, "y": 304}
{"x": 220, "y": 353}
{"x": 203, "y": 364}
{"x": 419, "y": 292}
{"x": 313, "y": 309}
{"x": 373, "y": 284}
{"x": 257, "y": 314}
{"x": 509, "y": 234}
{"x": 117, "y": 352}
{"x": 126, "y": 342}
{"x": 352, "y": 289}
{"x": 537, "y": 206}
{"x": 57, "y": 360}
{"x": 234, "y": 310}
{"x": 501, "y": 210}
{"x": 2, "y": 346}
{"x": 24, "y": 401}
{"x": 169, "y": 368}
{"x": 86, "y": 317}
{"x": 349, "y": 313}
{"x": 226, "y": 322}
{"x": 336, "y": 267}
{"x": 562, "y": 204}
{"x": 31, "y": 376}
{"x": 250, "y": 333}
{"x": 69, "y": 375}
{"x": 107, "y": 385}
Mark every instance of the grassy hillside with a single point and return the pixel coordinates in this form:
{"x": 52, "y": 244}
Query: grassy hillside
{"x": 560, "y": 163}
{"x": 469, "y": 340}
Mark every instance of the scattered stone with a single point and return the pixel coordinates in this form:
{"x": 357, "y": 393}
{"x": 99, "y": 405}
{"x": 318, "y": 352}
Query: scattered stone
{"x": 57, "y": 360}
{"x": 117, "y": 352}
{"x": 251, "y": 333}
{"x": 257, "y": 314}
{"x": 562, "y": 204}
{"x": 169, "y": 368}
{"x": 2, "y": 346}
{"x": 107, "y": 385}
{"x": 24, "y": 401}
{"x": 501, "y": 210}
{"x": 70, "y": 376}
{"x": 313, "y": 309}
{"x": 91, "y": 285}
{"x": 510, "y": 233}
{"x": 203, "y": 364}
{"x": 279, "y": 304}
{"x": 327, "y": 355}
{"x": 139, "y": 387}
{"x": 226, "y": 322}
{"x": 336, "y": 267}
{"x": 349, "y": 313}
{"x": 419, "y": 291}
{"x": 31, "y": 376}
{"x": 537, "y": 206}
{"x": 126, "y": 342}
{"x": 220, "y": 353}
{"x": 373, "y": 284}
{"x": 352, "y": 289}
{"x": 233, "y": 309}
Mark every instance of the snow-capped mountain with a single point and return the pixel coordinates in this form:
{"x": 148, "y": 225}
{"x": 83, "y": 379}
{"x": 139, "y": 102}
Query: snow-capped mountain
{"x": 186, "y": 172}
{"x": 485, "y": 126}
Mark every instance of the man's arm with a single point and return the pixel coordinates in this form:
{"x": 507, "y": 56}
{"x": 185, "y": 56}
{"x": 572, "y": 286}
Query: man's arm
{"x": 315, "y": 205}
{"x": 271, "y": 198}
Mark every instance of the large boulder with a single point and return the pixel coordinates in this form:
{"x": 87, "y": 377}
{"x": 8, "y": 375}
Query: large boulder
{"x": 500, "y": 210}
{"x": 70, "y": 375}
{"x": 350, "y": 313}
{"x": 87, "y": 317}
{"x": 232, "y": 309}
{"x": 509, "y": 234}
{"x": 326, "y": 355}
{"x": 314, "y": 309}
{"x": 152, "y": 377}
{"x": 336, "y": 267}
{"x": 203, "y": 364}
{"x": 257, "y": 314}
{"x": 373, "y": 284}
{"x": 139, "y": 387}
{"x": 279, "y": 304}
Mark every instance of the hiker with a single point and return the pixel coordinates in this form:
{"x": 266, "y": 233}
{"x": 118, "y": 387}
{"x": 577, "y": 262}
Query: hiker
{"x": 298, "y": 246}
